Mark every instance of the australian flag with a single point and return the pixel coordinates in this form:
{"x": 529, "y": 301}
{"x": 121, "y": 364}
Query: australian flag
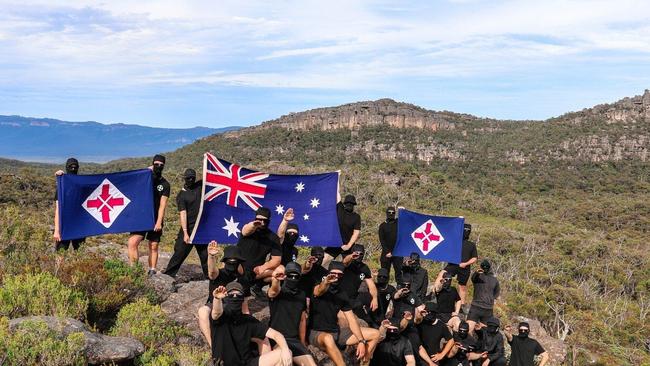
{"x": 105, "y": 203}
{"x": 232, "y": 193}
{"x": 437, "y": 238}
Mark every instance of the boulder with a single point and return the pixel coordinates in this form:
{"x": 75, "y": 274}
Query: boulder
{"x": 99, "y": 348}
{"x": 182, "y": 306}
{"x": 163, "y": 285}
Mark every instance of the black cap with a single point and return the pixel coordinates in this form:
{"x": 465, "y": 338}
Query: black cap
{"x": 336, "y": 265}
{"x": 358, "y": 248}
{"x": 382, "y": 272}
{"x": 189, "y": 173}
{"x": 390, "y": 209}
{"x": 292, "y": 226}
{"x": 160, "y": 158}
{"x": 232, "y": 252}
{"x": 350, "y": 199}
{"x": 524, "y": 324}
{"x": 71, "y": 161}
{"x": 264, "y": 212}
{"x": 293, "y": 267}
{"x": 493, "y": 321}
{"x": 234, "y": 285}
{"x": 415, "y": 257}
{"x": 485, "y": 265}
{"x": 463, "y": 326}
{"x": 431, "y": 307}
{"x": 316, "y": 251}
{"x": 395, "y": 321}
{"x": 447, "y": 275}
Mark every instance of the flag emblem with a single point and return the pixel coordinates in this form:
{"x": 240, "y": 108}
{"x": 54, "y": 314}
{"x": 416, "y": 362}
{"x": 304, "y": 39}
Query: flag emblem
{"x": 427, "y": 237}
{"x": 232, "y": 183}
{"x": 106, "y": 203}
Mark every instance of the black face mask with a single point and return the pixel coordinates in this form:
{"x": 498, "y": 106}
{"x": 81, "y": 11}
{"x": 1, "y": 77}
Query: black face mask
{"x": 231, "y": 266}
{"x": 157, "y": 170}
{"x": 382, "y": 280}
{"x": 291, "y": 284}
{"x": 390, "y": 216}
{"x": 359, "y": 259}
{"x": 446, "y": 285}
{"x": 334, "y": 287}
{"x": 492, "y": 329}
{"x": 462, "y": 334}
{"x": 430, "y": 317}
{"x": 232, "y": 306}
{"x": 523, "y": 333}
{"x": 189, "y": 181}
{"x": 348, "y": 207}
{"x": 291, "y": 238}
{"x": 392, "y": 334}
{"x": 319, "y": 260}
{"x": 72, "y": 169}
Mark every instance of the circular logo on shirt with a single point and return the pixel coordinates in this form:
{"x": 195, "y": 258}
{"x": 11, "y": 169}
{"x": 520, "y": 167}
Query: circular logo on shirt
{"x": 387, "y": 296}
{"x": 159, "y": 188}
{"x": 362, "y": 276}
{"x": 412, "y": 301}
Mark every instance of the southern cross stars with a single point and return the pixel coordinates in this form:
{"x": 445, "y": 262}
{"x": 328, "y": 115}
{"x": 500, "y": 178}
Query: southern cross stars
{"x": 314, "y": 202}
{"x": 305, "y": 217}
{"x": 231, "y": 227}
{"x": 279, "y": 209}
{"x": 300, "y": 187}
{"x": 304, "y": 238}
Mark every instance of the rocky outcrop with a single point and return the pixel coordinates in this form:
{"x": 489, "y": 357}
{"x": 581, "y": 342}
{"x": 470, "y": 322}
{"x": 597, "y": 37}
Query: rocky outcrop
{"x": 99, "y": 348}
{"x": 626, "y": 110}
{"x": 183, "y": 306}
{"x": 604, "y": 148}
{"x": 422, "y": 152}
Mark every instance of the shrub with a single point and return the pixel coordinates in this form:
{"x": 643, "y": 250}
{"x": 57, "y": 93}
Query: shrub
{"x": 146, "y": 323}
{"x": 33, "y": 343}
{"x": 40, "y": 294}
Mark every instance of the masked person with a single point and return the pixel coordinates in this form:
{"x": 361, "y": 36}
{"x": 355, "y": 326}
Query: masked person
{"x": 71, "y": 167}
{"x": 234, "y": 333}
{"x": 448, "y": 301}
{"x": 385, "y": 292}
{"x": 490, "y": 342}
{"x": 188, "y": 202}
{"x": 231, "y": 271}
{"x": 313, "y": 271}
{"x": 388, "y": 239}
{"x": 524, "y": 349}
{"x": 432, "y": 332}
{"x": 395, "y": 349}
{"x": 419, "y": 276}
{"x": 255, "y": 244}
{"x": 462, "y": 270}
{"x": 288, "y": 236}
{"x": 405, "y": 300}
{"x": 355, "y": 273}
{"x": 349, "y": 226}
{"x": 325, "y": 332}
{"x": 288, "y": 308}
{"x": 161, "y": 191}
{"x": 464, "y": 350}
{"x": 486, "y": 291}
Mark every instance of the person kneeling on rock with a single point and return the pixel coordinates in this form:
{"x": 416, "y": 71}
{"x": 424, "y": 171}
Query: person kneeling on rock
{"x": 234, "y": 333}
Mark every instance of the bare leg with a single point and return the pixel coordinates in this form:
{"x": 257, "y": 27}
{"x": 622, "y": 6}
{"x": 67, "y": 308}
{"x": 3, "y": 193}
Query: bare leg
{"x": 326, "y": 260}
{"x": 453, "y": 323}
{"x": 326, "y": 343}
{"x": 132, "y": 247}
{"x": 462, "y": 291}
{"x": 153, "y": 254}
{"x": 263, "y": 346}
{"x": 204, "y": 323}
{"x": 271, "y": 358}
{"x": 305, "y": 360}
{"x": 369, "y": 334}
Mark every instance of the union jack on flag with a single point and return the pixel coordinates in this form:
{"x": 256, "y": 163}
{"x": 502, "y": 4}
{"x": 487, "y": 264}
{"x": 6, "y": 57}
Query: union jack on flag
{"x": 232, "y": 193}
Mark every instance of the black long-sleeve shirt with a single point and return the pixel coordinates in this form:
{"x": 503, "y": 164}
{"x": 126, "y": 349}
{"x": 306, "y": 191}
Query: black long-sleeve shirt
{"x": 492, "y": 344}
{"x": 486, "y": 290}
{"x": 388, "y": 235}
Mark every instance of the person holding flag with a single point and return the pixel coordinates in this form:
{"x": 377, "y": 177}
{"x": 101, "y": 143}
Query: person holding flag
{"x": 462, "y": 270}
{"x": 349, "y": 226}
{"x": 71, "y": 167}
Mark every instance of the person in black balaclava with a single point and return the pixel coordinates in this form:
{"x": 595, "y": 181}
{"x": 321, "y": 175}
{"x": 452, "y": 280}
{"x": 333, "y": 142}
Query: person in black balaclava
{"x": 490, "y": 342}
{"x": 432, "y": 332}
{"x": 71, "y": 167}
{"x": 313, "y": 271}
{"x": 288, "y": 308}
{"x": 448, "y": 301}
{"x": 462, "y": 270}
{"x": 387, "y": 239}
{"x": 161, "y": 192}
{"x": 188, "y": 202}
{"x": 288, "y": 235}
{"x": 356, "y": 272}
{"x": 234, "y": 333}
{"x": 465, "y": 348}
{"x": 395, "y": 349}
{"x": 486, "y": 292}
{"x": 232, "y": 270}
{"x": 349, "y": 226}
{"x": 419, "y": 276}
{"x": 385, "y": 292}
{"x": 524, "y": 348}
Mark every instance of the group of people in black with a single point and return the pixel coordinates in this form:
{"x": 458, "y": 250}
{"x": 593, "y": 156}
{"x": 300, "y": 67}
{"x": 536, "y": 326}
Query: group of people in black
{"x": 332, "y": 301}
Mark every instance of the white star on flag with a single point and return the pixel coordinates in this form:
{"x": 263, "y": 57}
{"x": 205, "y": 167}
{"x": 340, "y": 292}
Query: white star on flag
{"x": 300, "y": 187}
{"x": 304, "y": 239}
{"x": 314, "y": 202}
{"x": 231, "y": 227}
{"x": 279, "y": 209}
{"x": 305, "y": 217}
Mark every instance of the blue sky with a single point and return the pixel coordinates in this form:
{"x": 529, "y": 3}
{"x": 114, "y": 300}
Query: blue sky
{"x": 218, "y": 63}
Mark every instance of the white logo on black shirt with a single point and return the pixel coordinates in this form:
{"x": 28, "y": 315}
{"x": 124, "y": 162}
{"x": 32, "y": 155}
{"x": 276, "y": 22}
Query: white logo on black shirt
{"x": 362, "y": 276}
{"x": 412, "y": 301}
{"x": 387, "y": 296}
{"x": 159, "y": 188}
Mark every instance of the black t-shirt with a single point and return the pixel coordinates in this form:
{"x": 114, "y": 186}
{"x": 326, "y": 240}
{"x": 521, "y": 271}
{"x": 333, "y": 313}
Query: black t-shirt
{"x": 353, "y": 275}
{"x": 524, "y": 351}
{"x": 160, "y": 188}
{"x": 286, "y": 310}
{"x": 406, "y": 303}
{"x": 348, "y": 222}
{"x": 446, "y": 300}
{"x": 224, "y": 278}
{"x": 324, "y": 310}
{"x": 432, "y": 334}
{"x": 231, "y": 338}
{"x": 384, "y": 295}
{"x": 312, "y": 278}
{"x": 388, "y": 235}
{"x": 189, "y": 200}
{"x": 469, "y": 344}
{"x": 468, "y": 252}
{"x": 289, "y": 253}
{"x": 392, "y": 353}
{"x": 255, "y": 247}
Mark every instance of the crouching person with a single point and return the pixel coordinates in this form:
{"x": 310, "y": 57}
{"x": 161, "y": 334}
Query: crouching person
{"x": 234, "y": 334}
{"x": 395, "y": 349}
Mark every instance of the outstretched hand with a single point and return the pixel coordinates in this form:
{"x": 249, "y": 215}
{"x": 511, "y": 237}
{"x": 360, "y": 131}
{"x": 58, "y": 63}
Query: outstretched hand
{"x": 219, "y": 293}
{"x": 278, "y": 273}
{"x": 289, "y": 215}
{"x": 213, "y": 248}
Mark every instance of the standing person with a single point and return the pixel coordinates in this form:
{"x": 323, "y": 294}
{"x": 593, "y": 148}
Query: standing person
{"x": 288, "y": 236}
{"x": 491, "y": 344}
{"x": 388, "y": 239}
{"x": 350, "y": 227}
{"x": 448, "y": 301}
{"x": 161, "y": 191}
{"x": 325, "y": 332}
{"x": 255, "y": 244}
{"x": 231, "y": 271}
{"x": 524, "y": 348}
{"x": 433, "y": 332}
{"x": 234, "y": 333}
{"x": 395, "y": 349}
{"x": 385, "y": 292}
{"x": 419, "y": 276}
{"x": 288, "y": 309}
{"x": 462, "y": 270}
{"x": 188, "y": 202}
{"x": 486, "y": 291}
{"x": 71, "y": 167}
{"x": 313, "y": 271}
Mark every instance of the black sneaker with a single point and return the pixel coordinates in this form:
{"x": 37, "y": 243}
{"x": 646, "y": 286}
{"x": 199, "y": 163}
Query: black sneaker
{"x": 151, "y": 272}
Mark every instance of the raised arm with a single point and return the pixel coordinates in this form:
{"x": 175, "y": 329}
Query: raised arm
{"x": 277, "y": 276}
{"x": 213, "y": 253}
{"x": 219, "y": 294}
{"x": 372, "y": 289}
{"x": 282, "y": 228}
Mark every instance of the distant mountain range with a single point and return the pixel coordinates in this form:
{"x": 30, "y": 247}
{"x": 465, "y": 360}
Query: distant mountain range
{"x": 52, "y": 140}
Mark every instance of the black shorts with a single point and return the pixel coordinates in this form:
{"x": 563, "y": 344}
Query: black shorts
{"x": 479, "y": 315}
{"x": 340, "y": 337}
{"x": 297, "y": 348}
{"x": 65, "y": 244}
{"x": 335, "y": 251}
{"x": 149, "y": 235}
{"x": 462, "y": 273}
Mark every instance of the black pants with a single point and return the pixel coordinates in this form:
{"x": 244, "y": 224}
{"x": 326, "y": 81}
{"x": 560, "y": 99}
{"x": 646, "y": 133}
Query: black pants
{"x": 65, "y": 244}
{"x": 181, "y": 251}
{"x": 397, "y": 265}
